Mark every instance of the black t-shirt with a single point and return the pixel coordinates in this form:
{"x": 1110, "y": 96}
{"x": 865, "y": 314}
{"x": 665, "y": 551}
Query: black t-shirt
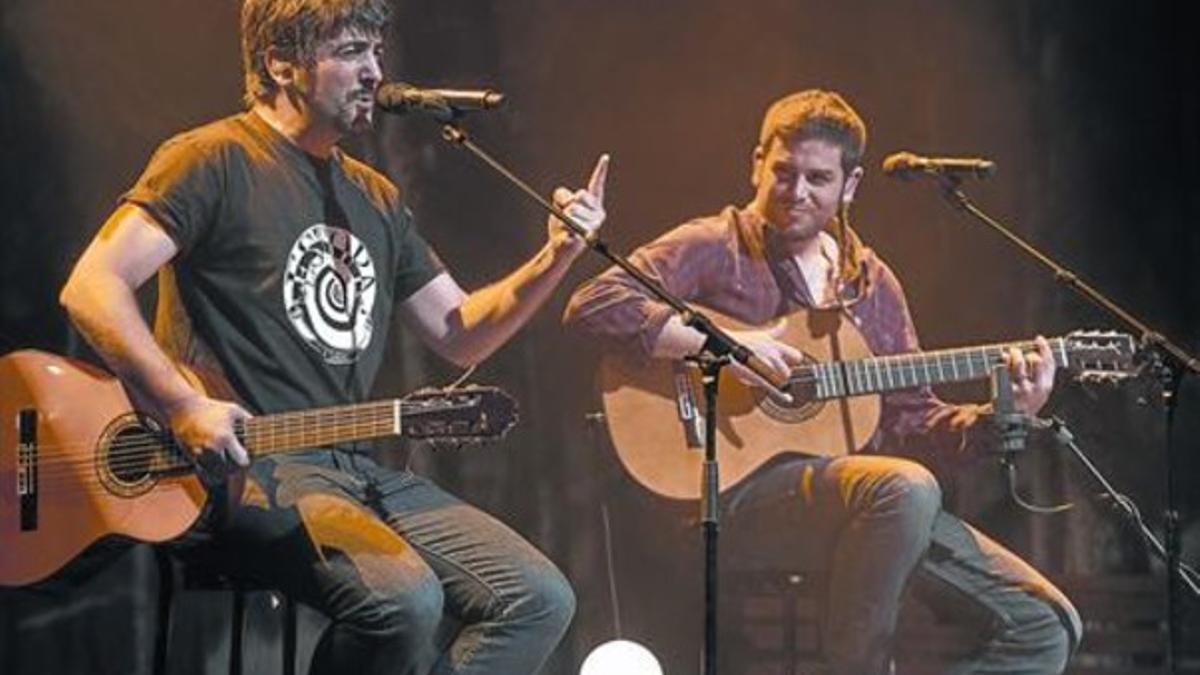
{"x": 288, "y": 266}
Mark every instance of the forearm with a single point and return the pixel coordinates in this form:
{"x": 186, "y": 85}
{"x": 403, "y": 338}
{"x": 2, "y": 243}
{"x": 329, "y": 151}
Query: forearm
{"x": 105, "y": 311}
{"x": 676, "y": 340}
{"x": 489, "y": 316}
{"x": 617, "y": 311}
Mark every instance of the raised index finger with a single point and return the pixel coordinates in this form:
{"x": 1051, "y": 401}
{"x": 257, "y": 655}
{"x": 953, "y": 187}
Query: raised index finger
{"x": 599, "y": 175}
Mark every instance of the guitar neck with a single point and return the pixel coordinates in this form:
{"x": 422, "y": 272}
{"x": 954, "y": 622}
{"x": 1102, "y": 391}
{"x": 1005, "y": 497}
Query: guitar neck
{"x": 875, "y": 375}
{"x": 321, "y": 427}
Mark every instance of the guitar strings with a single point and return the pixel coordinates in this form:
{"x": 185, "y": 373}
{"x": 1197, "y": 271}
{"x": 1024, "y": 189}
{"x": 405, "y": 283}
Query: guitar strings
{"x": 137, "y": 453}
{"x": 133, "y": 450}
{"x": 283, "y": 425}
{"x": 92, "y": 483}
{"x": 899, "y": 371}
{"x": 90, "y": 480}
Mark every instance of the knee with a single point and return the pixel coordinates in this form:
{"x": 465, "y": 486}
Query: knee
{"x": 555, "y": 596}
{"x": 546, "y": 598}
{"x": 1069, "y": 632}
{"x": 1072, "y": 625}
{"x": 909, "y": 489}
{"x": 412, "y": 611}
{"x": 1051, "y": 635}
{"x": 1064, "y": 625}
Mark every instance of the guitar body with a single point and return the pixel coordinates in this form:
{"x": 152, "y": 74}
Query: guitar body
{"x": 81, "y": 487}
{"x": 641, "y": 404}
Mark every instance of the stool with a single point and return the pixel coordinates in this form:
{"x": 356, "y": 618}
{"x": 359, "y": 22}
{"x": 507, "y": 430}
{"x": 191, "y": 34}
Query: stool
{"x": 777, "y": 614}
{"x": 174, "y": 574}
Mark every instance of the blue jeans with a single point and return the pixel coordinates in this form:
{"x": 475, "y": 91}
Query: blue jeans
{"x": 876, "y": 525}
{"x": 390, "y": 558}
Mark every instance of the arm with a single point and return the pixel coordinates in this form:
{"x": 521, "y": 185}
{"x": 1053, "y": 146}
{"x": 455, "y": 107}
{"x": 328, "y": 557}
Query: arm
{"x": 616, "y": 310}
{"x": 467, "y": 328}
{"x": 916, "y": 421}
{"x": 99, "y": 297}
{"x": 695, "y": 262}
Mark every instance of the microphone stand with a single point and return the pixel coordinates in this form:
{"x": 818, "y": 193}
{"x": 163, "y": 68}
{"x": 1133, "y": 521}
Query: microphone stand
{"x": 718, "y": 350}
{"x": 1169, "y": 370}
{"x": 1127, "y": 507}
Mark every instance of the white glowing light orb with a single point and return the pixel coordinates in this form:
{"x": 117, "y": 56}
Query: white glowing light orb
{"x": 620, "y": 657}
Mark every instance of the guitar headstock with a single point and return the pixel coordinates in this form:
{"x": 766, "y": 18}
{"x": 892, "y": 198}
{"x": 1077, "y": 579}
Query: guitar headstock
{"x": 1101, "y": 356}
{"x": 461, "y": 415}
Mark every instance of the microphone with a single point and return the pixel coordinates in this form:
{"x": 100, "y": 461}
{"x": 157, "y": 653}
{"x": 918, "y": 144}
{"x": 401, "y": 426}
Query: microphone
{"x": 400, "y": 98}
{"x": 906, "y": 165}
{"x": 1012, "y": 427}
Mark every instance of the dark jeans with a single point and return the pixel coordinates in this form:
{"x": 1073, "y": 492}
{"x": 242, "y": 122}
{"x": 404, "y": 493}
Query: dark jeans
{"x": 388, "y": 556}
{"x": 876, "y": 525}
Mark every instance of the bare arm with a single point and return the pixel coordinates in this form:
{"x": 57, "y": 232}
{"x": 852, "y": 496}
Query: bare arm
{"x": 467, "y": 328}
{"x": 99, "y": 297}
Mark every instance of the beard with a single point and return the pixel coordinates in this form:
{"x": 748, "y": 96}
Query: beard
{"x": 798, "y": 226}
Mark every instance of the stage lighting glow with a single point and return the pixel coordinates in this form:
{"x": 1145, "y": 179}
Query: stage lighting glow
{"x": 620, "y": 657}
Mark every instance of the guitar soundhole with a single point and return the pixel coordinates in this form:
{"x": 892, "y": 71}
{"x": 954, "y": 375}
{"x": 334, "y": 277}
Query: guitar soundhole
{"x": 804, "y": 405}
{"x": 130, "y": 455}
{"x": 790, "y": 413}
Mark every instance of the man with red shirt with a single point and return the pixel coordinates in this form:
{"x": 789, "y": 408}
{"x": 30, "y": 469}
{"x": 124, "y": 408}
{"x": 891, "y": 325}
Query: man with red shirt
{"x": 873, "y": 520}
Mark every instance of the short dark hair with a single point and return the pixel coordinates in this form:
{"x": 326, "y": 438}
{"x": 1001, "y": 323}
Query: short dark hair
{"x": 294, "y": 28}
{"x": 816, "y": 113}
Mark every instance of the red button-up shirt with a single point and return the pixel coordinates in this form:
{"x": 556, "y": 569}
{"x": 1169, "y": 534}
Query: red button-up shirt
{"x": 731, "y": 262}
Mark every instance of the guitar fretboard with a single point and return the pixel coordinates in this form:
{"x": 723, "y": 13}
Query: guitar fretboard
{"x": 839, "y": 379}
{"x": 322, "y": 427}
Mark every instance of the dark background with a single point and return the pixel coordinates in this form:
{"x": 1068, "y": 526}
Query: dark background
{"x": 1088, "y": 107}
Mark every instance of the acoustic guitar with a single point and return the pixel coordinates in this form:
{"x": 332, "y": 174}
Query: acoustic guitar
{"x": 78, "y": 463}
{"x": 656, "y": 423}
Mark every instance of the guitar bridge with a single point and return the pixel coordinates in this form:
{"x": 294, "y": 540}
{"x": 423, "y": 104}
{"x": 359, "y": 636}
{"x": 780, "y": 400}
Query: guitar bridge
{"x": 685, "y": 407}
{"x": 27, "y": 468}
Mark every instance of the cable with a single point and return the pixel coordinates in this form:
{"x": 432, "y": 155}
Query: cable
{"x": 463, "y": 378}
{"x": 1016, "y": 497}
{"x": 612, "y": 577}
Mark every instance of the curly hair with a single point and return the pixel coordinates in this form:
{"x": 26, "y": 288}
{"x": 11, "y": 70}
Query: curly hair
{"x": 816, "y": 113}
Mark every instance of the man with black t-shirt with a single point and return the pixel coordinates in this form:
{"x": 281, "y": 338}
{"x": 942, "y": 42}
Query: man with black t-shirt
{"x": 280, "y": 261}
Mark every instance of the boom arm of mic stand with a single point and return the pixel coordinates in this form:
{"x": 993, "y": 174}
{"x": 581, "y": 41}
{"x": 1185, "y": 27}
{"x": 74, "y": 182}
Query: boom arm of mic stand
{"x": 952, "y": 191}
{"x": 717, "y": 341}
